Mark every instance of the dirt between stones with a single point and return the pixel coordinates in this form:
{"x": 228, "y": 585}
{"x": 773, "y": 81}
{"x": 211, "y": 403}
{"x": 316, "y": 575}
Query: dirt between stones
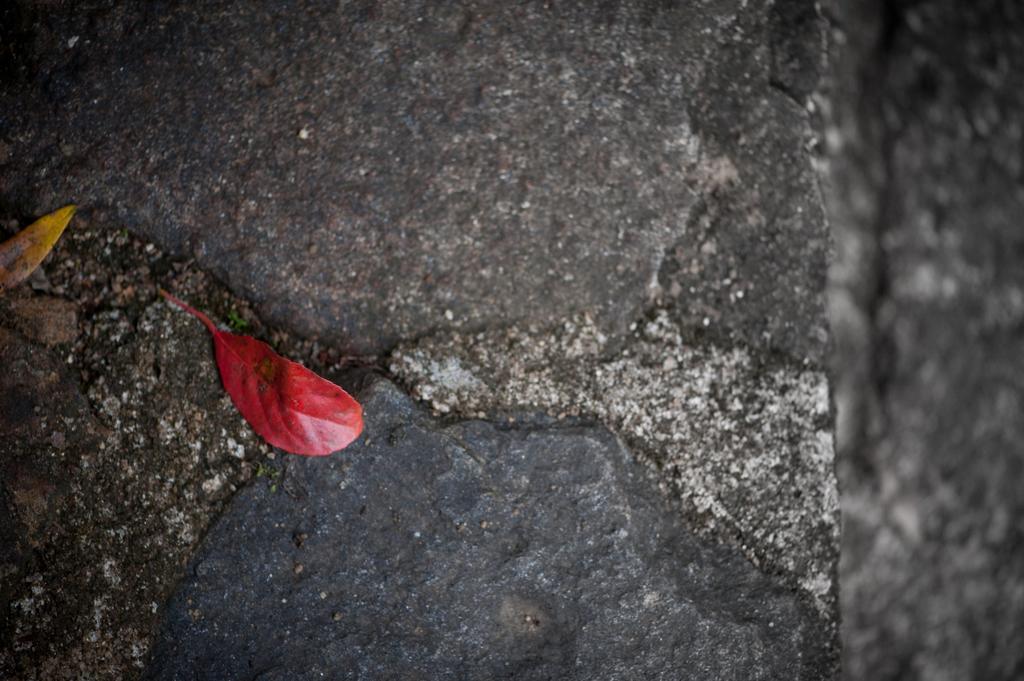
{"x": 117, "y": 448}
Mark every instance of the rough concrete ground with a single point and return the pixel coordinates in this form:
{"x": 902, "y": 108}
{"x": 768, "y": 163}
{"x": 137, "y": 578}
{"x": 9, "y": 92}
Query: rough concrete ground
{"x": 383, "y": 174}
{"x": 928, "y": 309}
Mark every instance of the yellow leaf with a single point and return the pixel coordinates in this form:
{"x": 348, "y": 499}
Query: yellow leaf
{"x": 21, "y": 254}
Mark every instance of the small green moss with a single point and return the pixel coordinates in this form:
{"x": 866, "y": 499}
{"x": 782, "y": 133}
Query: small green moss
{"x": 270, "y": 473}
{"x": 235, "y": 321}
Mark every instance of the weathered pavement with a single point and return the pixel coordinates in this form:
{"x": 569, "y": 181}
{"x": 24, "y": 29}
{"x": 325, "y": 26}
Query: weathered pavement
{"x": 375, "y": 171}
{"x": 474, "y": 551}
{"x": 579, "y": 226}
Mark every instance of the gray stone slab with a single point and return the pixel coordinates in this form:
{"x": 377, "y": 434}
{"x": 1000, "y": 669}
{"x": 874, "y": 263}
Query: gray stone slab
{"x": 743, "y": 444}
{"x": 374, "y": 171}
{"x": 474, "y": 551}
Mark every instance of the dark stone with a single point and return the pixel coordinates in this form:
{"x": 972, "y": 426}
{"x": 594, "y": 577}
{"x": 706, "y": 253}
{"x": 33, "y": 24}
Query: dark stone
{"x": 41, "y": 414}
{"x": 751, "y": 265}
{"x": 930, "y": 320}
{"x": 41, "y": 409}
{"x": 474, "y": 551}
{"x": 374, "y": 171}
{"x": 116, "y": 450}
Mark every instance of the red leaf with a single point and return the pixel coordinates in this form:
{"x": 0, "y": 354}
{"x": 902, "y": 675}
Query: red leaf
{"x": 286, "y": 403}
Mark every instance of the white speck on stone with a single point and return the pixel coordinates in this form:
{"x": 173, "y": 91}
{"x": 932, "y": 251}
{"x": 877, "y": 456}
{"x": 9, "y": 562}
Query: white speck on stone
{"x": 26, "y": 605}
{"x": 97, "y": 619}
{"x": 213, "y": 485}
{"x": 110, "y": 572}
{"x": 235, "y": 449}
{"x": 819, "y": 585}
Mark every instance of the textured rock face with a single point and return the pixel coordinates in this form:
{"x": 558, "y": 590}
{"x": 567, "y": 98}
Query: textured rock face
{"x": 474, "y": 551}
{"x": 746, "y": 446}
{"x": 604, "y": 210}
{"x": 372, "y": 171}
{"x": 929, "y": 305}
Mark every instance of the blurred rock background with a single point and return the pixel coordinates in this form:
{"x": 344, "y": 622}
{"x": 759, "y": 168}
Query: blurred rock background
{"x": 927, "y": 307}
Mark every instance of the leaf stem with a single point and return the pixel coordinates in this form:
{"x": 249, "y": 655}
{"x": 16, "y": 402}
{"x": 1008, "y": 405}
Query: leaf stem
{"x": 191, "y": 310}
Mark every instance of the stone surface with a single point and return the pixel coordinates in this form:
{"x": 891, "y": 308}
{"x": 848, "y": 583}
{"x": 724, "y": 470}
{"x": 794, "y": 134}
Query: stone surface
{"x": 750, "y": 266}
{"x": 373, "y": 171}
{"x": 116, "y": 449}
{"x": 928, "y": 304}
{"x": 627, "y": 187}
{"x": 38, "y": 403}
{"x": 745, "y": 445}
{"x": 529, "y": 550}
